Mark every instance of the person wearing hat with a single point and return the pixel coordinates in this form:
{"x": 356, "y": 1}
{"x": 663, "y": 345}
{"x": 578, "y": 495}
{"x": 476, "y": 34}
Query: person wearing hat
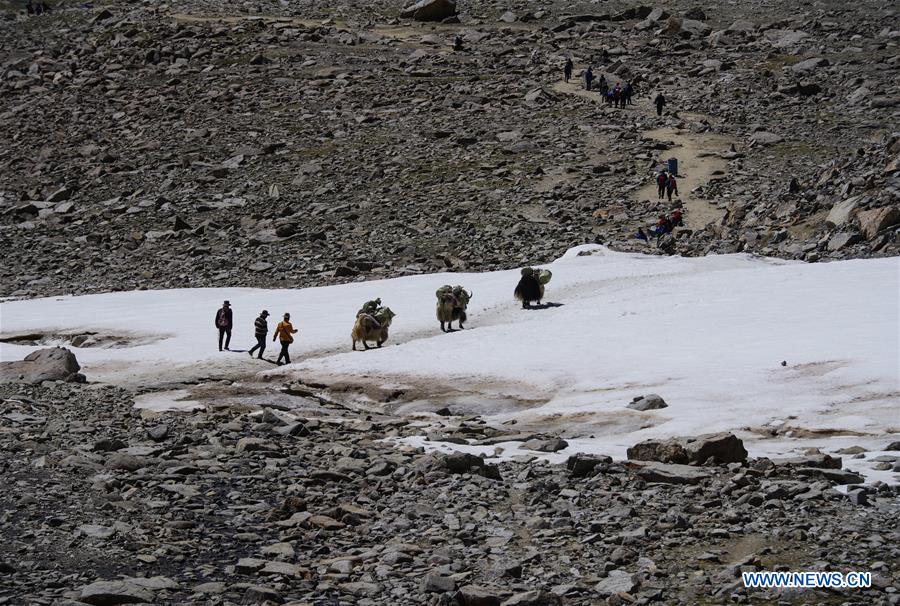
{"x": 260, "y": 329}
{"x": 223, "y": 323}
{"x": 284, "y": 332}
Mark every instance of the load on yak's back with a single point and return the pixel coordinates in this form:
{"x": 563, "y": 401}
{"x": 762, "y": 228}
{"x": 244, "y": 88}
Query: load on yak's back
{"x": 531, "y": 285}
{"x": 372, "y": 323}
{"x": 451, "y": 305}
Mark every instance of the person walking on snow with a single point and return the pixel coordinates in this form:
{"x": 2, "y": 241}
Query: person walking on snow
{"x": 261, "y": 331}
{"x": 284, "y": 332}
{"x": 659, "y": 101}
{"x": 223, "y": 323}
{"x": 567, "y": 69}
{"x": 671, "y": 186}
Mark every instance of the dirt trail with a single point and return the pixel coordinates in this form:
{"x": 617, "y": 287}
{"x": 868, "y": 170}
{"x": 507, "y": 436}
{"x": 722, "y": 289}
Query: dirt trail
{"x": 698, "y": 163}
{"x": 697, "y": 154}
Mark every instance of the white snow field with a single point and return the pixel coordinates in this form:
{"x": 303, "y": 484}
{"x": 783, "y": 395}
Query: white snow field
{"x": 708, "y": 334}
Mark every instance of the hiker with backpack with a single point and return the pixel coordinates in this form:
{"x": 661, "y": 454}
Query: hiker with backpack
{"x": 567, "y": 69}
{"x": 284, "y": 332}
{"x": 223, "y": 323}
{"x": 260, "y": 331}
{"x": 588, "y": 78}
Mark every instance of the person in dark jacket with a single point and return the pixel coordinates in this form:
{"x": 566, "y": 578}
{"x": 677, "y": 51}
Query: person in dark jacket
{"x": 588, "y": 78}
{"x": 659, "y": 101}
{"x": 661, "y": 179}
{"x": 260, "y": 330}
{"x": 224, "y": 323}
{"x": 671, "y": 187}
{"x": 567, "y": 69}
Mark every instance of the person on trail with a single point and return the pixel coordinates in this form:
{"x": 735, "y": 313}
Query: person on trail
{"x": 661, "y": 179}
{"x": 261, "y": 331}
{"x": 603, "y": 86}
{"x": 457, "y": 42}
{"x": 588, "y": 78}
{"x": 223, "y": 323}
{"x": 284, "y": 332}
{"x": 659, "y": 101}
{"x": 617, "y": 95}
{"x": 671, "y": 186}
{"x": 628, "y": 92}
{"x": 567, "y": 69}
{"x": 677, "y": 218}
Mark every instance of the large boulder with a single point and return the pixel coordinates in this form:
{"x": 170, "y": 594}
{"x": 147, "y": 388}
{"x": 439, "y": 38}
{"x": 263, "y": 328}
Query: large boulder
{"x": 52, "y": 364}
{"x": 873, "y": 221}
{"x": 429, "y": 10}
{"x": 842, "y": 211}
{"x": 718, "y": 448}
{"x": 664, "y": 451}
{"x": 648, "y": 402}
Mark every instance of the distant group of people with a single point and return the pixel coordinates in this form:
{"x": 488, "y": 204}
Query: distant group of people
{"x": 664, "y": 225}
{"x": 284, "y": 332}
{"x": 619, "y": 95}
{"x": 666, "y": 185}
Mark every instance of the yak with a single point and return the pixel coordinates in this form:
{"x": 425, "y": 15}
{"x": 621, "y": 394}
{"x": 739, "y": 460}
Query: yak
{"x": 451, "y": 305}
{"x": 531, "y": 286}
{"x": 372, "y": 328}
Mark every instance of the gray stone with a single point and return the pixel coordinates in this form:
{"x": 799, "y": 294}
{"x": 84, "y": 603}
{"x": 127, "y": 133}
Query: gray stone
{"x": 843, "y": 211}
{"x": 437, "y": 583}
{"x": 549, "y": 445}
{"x": 256, "y": 594}
{"x": 360, "y": 588}
{"x": 533, "y": 598}
{"x": 581, "y": 465}
{"x": 477, "y": 595}
{"x": 111, "y": 593}
{"x": 618, "y": 581}
{"x": 842, "y": 240}
{"x": 429, "y": 10}
{"x": 52, "y": 364}
{"x": 766, "y": 138}
{"x": 669, "y": 473}
{"x": 648, "y": 402}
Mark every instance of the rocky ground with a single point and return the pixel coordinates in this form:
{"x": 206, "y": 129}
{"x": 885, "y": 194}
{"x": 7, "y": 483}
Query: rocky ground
{"x": 192, "y": 143}
{"x": 285, "y": 144}
{"x": 236, "y": 504}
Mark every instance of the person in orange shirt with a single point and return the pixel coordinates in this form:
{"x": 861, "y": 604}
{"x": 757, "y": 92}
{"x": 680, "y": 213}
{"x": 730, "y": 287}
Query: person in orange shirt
{"x": 284, "y": 332}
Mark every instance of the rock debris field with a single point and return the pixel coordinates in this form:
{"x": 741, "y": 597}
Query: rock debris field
{"x": 199, "y": 144}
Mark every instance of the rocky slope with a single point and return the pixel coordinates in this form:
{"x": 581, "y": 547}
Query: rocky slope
{"x": 238, "y": 504}
{"x": 156, "y": 145}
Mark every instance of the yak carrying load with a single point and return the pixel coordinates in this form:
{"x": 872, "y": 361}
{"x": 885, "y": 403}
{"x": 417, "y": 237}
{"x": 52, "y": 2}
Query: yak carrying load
{"x": 451, "y": 305}
{"x": 372, "y": 323}
{"x": 531, "y": 285}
